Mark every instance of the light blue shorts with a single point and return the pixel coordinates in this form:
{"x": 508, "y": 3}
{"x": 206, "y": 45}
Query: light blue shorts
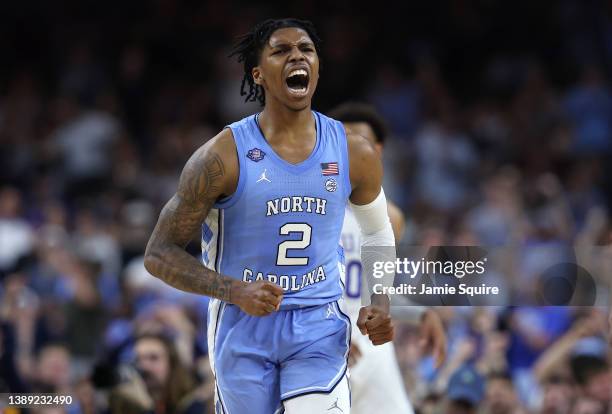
{"x": 259, "y": 362}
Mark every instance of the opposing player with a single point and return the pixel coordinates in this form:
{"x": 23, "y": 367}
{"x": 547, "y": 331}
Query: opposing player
{"x": 269, "y": 194}
{"x": 376, "y": 382}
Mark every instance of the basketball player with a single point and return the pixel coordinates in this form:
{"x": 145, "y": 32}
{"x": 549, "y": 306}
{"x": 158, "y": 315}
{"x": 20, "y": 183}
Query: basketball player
{"x": 376, "y": 382}
{"x": 269, "y": 194}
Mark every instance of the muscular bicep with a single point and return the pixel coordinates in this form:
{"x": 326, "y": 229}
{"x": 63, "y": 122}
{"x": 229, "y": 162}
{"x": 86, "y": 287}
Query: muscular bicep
{"x": 366, "y": 170}
{"x": 208, "y": 175}
{"x": 200, "y": 185}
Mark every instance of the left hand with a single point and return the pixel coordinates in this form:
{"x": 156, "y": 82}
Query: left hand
{"x": 433, "y": 337}
{"x": 374, "y": 321}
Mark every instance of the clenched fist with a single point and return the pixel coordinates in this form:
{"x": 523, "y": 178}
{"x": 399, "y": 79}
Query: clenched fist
{"x": 374, "y": 321}
{"x": 257, "y": 298}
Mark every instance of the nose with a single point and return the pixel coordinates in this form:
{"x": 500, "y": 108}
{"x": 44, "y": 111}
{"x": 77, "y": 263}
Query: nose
{"x": 296, "y": 54}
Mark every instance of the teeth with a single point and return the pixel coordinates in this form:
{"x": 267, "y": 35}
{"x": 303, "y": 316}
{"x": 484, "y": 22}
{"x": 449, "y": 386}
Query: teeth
{"x": 298, "y": 72}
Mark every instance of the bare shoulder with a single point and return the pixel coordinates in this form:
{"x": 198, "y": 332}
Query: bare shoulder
{"x": 222, "y": 145}
{"x": 359, "y": 148}
{"x": 362, "y": 157}
{"x": 365, "y": 169}
{"x": 212, "y": 171}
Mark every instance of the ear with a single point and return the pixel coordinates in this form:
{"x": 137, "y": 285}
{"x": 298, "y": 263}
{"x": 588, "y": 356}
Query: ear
{"x": 257, "y": 75}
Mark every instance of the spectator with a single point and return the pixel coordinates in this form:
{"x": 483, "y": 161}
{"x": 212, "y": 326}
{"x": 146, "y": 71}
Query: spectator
{"x": 161, "y": 383}
{"x": 501, "y": 397}
{"x": 52, "y": 373}
{"x": 445, "y": 160}
{"x": 83, "y": 144}
{"x": 16, "y": 235}
{"x": 585, "y": 405}
{"x": 558, "y": 395}
{"x": 466, "y": 390}
{"x": 589, "y": 106}
{"x": 594, "y": 378}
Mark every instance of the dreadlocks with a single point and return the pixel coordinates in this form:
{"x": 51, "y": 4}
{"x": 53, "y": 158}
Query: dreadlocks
{"x": 249, "y": 47}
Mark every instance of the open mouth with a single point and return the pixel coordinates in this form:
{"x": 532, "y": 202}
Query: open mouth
{"x": 297, "y": 81}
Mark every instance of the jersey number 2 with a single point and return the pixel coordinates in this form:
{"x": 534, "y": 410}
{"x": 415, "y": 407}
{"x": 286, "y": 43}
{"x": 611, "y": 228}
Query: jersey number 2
{"x": 302, "y": 243}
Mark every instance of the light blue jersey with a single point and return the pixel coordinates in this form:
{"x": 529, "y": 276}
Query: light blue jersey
{"x": 283, "y": 223}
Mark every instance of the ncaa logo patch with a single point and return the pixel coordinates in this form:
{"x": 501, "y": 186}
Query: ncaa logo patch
{"x": 255, "y": 154}
{"x": 331, "y": 185}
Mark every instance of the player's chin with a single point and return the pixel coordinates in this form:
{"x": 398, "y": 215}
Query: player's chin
{"x": 298, "y": 100}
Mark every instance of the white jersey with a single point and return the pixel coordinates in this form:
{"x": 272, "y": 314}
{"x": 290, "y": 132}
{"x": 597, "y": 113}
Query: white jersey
{"x": 376, "y": 382}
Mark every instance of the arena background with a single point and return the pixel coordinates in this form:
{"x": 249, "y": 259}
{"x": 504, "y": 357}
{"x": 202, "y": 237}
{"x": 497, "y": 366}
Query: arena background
{"x": 501, "y": 132}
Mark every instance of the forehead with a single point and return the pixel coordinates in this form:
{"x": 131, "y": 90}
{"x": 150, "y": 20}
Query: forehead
{"x": 288, "y": 35}
{"x": 149, "y": 345}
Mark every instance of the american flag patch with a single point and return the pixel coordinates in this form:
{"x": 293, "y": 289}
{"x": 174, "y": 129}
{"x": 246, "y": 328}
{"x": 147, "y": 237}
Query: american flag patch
{"x": 329, "y": 168}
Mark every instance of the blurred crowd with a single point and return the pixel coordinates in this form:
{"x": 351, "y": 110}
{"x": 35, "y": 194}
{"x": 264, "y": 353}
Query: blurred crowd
{"x": 499, "y": 136}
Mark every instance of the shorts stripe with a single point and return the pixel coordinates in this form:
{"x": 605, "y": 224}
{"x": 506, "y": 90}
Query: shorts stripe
{"x": 341, "y": 279}
{"x": 213, "y": 318}
{"x": 315, "y": 390}
{"x": 216, "y": 310}
{"x": 341, "y": 373}
{"x": 347, "y": 320}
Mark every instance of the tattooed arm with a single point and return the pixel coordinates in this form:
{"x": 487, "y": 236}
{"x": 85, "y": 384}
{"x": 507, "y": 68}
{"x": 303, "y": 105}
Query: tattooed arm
{"x": 211, "y": 173}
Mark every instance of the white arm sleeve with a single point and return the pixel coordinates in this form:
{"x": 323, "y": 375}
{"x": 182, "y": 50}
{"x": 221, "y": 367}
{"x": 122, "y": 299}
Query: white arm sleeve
{"x": 374, "y": 222}
{"x": 376, "y": 231}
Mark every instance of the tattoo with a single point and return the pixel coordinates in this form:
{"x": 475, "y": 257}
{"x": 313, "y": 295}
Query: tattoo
{"x": 200, "y": 179}
{"x": 180, "y": 220}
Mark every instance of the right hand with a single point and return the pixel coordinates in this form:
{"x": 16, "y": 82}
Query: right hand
{"x": 257, "y": 298}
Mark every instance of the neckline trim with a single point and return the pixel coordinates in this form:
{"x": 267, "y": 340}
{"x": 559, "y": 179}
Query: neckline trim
{"x": 302, "y": 165}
